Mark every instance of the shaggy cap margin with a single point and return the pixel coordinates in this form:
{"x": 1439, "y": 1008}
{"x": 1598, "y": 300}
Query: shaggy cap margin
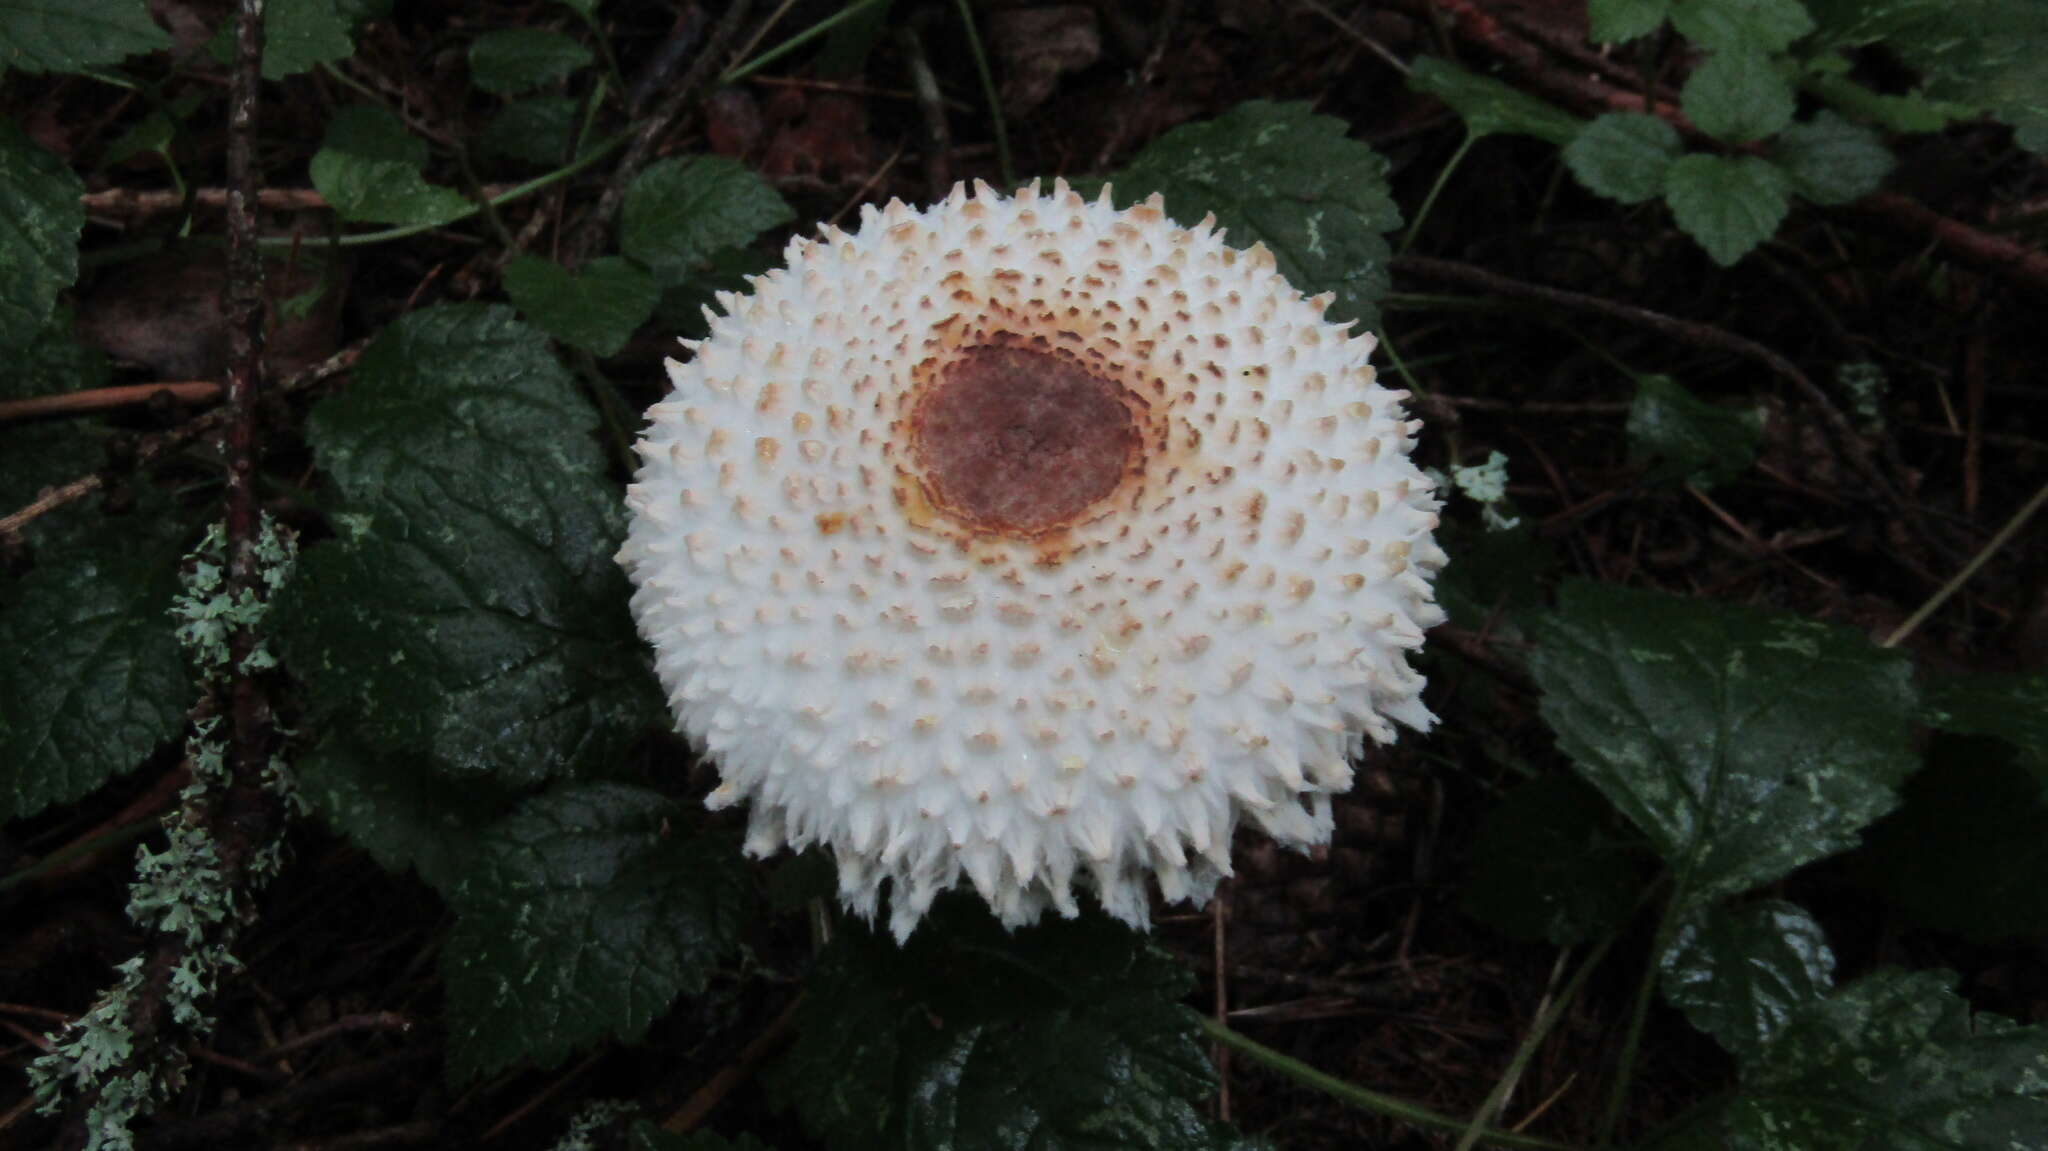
{"x": 946, "y": 633}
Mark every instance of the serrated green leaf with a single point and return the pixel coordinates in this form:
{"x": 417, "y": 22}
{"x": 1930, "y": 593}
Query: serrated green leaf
{"x": 301, "y": 35}
{"x": 1730, "y": 204}
{"x": 1612, "y": 21}
{"x": 398, "y": 809}
{"x": 598, "y": 306}
{"x": 368, "y": 169}
{"x": 40, "y": 222}
{"x": 2011, "y": 707}
{"x": 1894, "y": 1062}
{"x": 536, "y": 129}
{"x": 74, "y": 35}
{"x": 1281, "y": 175}
{"x": 682, "y": 211}
{"x": 1738, "y": 96}
{"x": 1548, "y": 865}
{"x": 469, "y": 608}
{"x": 1690, "y": 439}
{"x": 1623, "y": 156}
{"x": 1063, "y": 1035}
{"x": 1764, "y": 26}
{"x": 1739, "y": 973}
{"x": 1831, "y": 160}
{"x": 581, "y": 917}
{"x": 515, "y": 59}
{"x": 1489, "y": 106}
{"x": 1743, "y": 743}
{"x": 1968, "y": 850}
{"x": 91, "y": 675}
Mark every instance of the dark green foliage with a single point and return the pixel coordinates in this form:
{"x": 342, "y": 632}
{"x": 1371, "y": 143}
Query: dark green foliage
{"x": 515, "y": 59}
{"x": 1743, "y": 743}
{"x": 1738, "y": 96}
{"x": 395, "y": 806}
{"x": 1690, "y": 439}
{"x": 581, "y": 917}
{"x": 1064, "y": 1035}
{"x": 1832, "y": 160}
{"x": 1489, "y": 106}
{"x": 36, "y": 455}
{"x": 1623, "y": 156}
{"x": 1549, "y": 864}
{"x": 2011, "y": 707}
{"x": 369, "y": 169}
{"x": 1740, "y": 973}
{"x": 469, "y": 609}
{"x": 1280, "y": 175}
{"x": 300, "y": 35}
{"x": 681, "y": 212}
{"x": 1894, "y": 1062}
{"x": 598, "y": 306}
{"x": 74, "y": 35}
{"x": 1730, "y": 204}
{"x": 39, "y": 245}
{"x": 91, "y": 676}
{"x": 535, "y": 129}
{"x": 645, "y": 1136}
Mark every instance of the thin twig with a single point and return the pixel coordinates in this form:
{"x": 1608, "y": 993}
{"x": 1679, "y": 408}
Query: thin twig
{"x": 157, "y": 446}
{"x": 706, "y": 1099}
{"x": 2005, "y": 534}
{"x": 105, "y": 399}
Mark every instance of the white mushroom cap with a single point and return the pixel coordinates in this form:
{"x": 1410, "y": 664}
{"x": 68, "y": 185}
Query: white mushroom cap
{"x": 1031, "y": 541}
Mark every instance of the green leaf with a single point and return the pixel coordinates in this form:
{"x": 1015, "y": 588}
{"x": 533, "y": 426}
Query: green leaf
{"x": 1489, "y": 106}
{"x": 1064, "y": 1035}
{"x": 1730, "y": 204}
{"x": 1548, "y": 865}
{"x": 1968, "y": 851}
{"x": 40, "y": 222}
{"x": 1280, "y": 175}
{"x": 74, "y": 35}
{"x": 1739, "y": 973}
{"x": 1737, "y": 96}
{"x": 1764, "y": 26}
{"x": 536, "y": 129}
{"x": 35, "y": 455}
{"x": 682, "y": 211}
{"x": 368, "y": 168}
{"x": 91, "y": 676}
{"x": 301, "y": 35}
{"x": 1612, "y": 21}
{"x": 396, "y": 808}
{"x": 516, "y": 59}
{"x": 1831, "y": 160}
{"x": 1623, "y": 156}
{"x": 1743, "y": 743}
{"x": 583, "y": 915}
{"x": 2013, "y": 708}
{"x": 1894, "y": 1061}
{"x": 1977, "y": 54}
{"x": 1692, "y": 440}
{"x": 599, "y": 306}
{"x": 469, "y": 608}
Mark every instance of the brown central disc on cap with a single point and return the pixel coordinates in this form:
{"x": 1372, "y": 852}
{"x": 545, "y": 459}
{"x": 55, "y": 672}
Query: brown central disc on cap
{"x": 1020, "y": 441}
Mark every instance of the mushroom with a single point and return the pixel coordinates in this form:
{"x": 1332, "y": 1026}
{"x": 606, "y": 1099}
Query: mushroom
{"x": 1030, "y": 541}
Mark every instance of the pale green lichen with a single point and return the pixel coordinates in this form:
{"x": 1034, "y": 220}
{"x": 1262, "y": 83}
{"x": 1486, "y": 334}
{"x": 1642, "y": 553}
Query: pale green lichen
{"x": 1487, "y": 485}
{"x": 583, "y": 1129}
{"x": 179, "y": 891}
